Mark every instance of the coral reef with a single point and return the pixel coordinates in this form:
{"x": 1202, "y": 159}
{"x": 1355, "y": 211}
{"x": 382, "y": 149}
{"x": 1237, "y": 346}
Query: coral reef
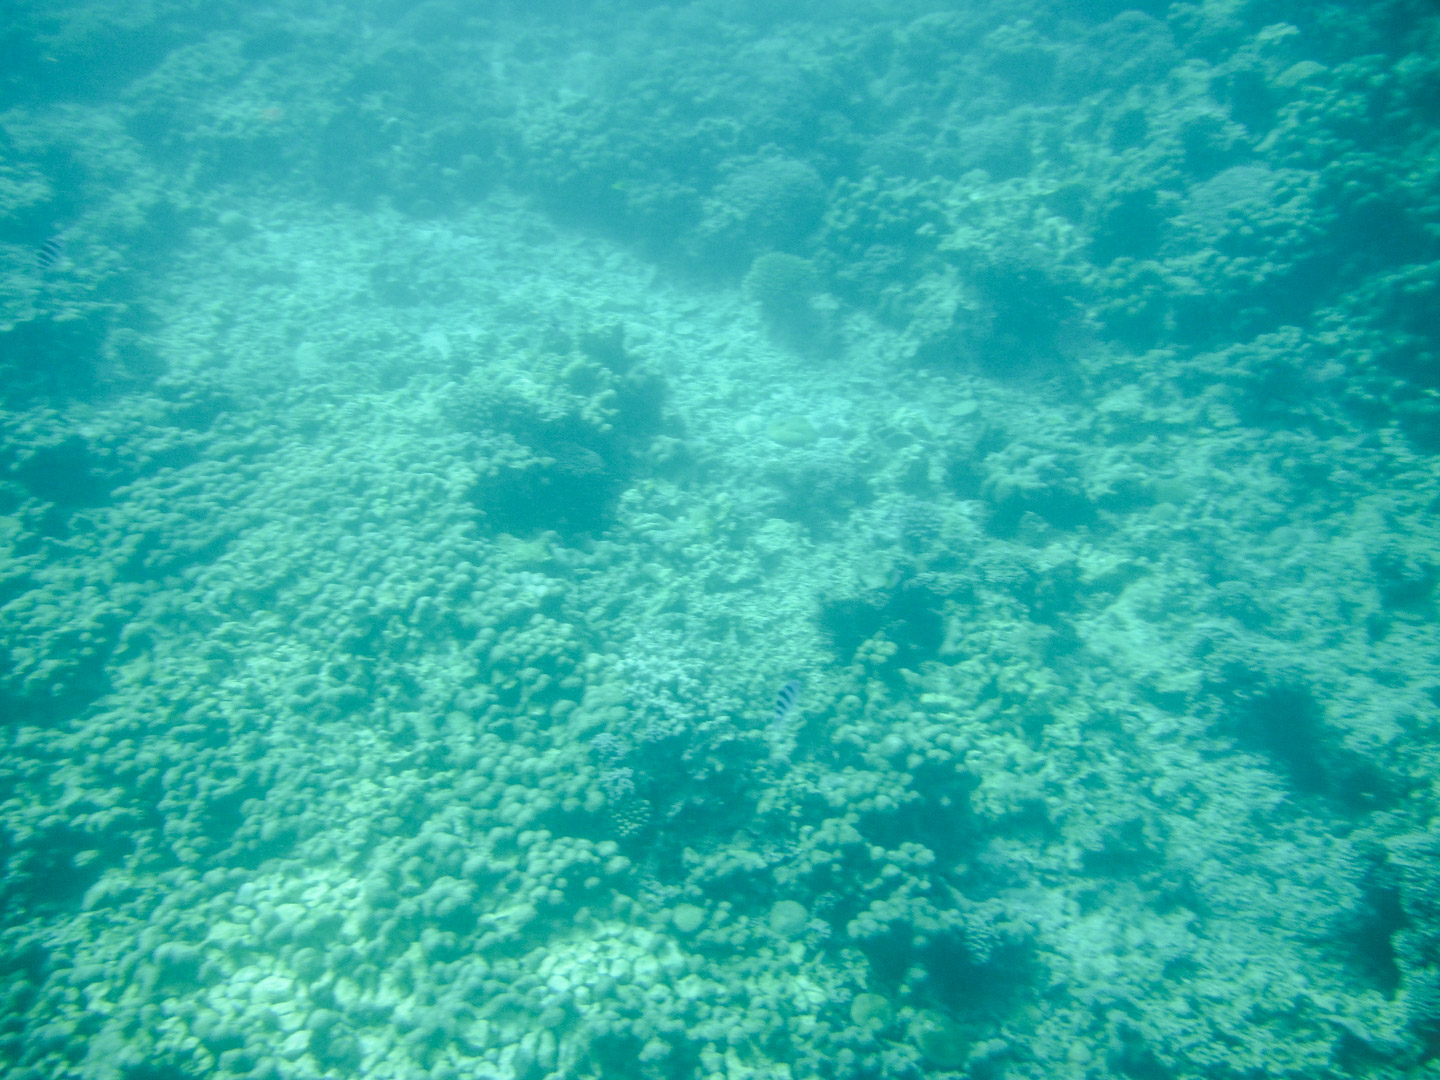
{"x": 433, "y": 437}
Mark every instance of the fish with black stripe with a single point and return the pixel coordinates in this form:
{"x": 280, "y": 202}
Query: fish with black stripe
{"x": 51, "y": 253}
{"x": 779, "y": 734}
{"x": 785, "y": 702}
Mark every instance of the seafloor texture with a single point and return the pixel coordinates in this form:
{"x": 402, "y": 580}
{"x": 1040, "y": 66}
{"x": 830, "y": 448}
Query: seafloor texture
{"x": 434, "y": 433}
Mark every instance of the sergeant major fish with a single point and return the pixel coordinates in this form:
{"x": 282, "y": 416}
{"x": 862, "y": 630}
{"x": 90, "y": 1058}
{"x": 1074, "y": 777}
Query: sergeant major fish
{"x": 785, "y": 702}
{"x": 51, "y": 253}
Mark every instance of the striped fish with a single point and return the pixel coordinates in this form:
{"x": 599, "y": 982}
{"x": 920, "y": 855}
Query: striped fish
{"x": 51, "y": 253}
{"x": 785, "y": 704}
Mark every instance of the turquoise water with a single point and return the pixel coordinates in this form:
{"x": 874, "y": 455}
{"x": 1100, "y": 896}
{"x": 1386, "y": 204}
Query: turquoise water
{"x": 437, "y": 435}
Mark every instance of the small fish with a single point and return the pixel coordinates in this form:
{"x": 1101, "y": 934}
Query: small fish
{"x": 785, "y": 704}
{"x": 51, "y": 253}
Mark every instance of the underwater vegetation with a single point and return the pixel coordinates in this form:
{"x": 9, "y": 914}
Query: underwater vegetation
{"x": 716, "y": 541}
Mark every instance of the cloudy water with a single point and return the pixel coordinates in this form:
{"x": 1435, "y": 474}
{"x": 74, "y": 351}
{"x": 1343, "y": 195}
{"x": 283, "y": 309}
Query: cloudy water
{"x": 439, "y": 440}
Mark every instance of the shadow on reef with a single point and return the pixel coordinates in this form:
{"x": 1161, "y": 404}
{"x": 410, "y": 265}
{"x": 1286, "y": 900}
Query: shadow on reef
{"x": 570, "y": 487}
{"x": 566, "y": 442}
{"x": 907, "y": 616}
{"x": 53, "y": 869}
{"x": 1283, "y": 723}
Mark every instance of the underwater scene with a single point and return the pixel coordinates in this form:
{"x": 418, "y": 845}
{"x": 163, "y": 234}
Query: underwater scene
{"x": 719, "y": 540}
